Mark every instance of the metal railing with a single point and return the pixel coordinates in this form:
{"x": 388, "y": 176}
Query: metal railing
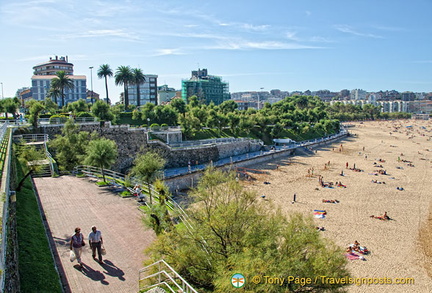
{"x": 213, "y": 141}
{"x": 6, "y": 192}
{"x": 32, "y": 137}
{"x": 171, "y": 203}
{"x": 165, "y": 276}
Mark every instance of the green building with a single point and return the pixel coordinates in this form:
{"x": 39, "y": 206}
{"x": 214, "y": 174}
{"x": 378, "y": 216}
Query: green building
{"x": 208, "y": 88}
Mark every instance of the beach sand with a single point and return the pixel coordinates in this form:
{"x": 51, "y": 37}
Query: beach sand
{"x": 394, "y": 245}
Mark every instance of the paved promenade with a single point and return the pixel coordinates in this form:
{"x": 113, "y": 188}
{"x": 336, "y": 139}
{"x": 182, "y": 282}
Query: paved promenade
{"x": 70, "y": 202}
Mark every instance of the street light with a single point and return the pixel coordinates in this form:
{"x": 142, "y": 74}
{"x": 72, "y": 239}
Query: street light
{"x": 91, "y": 82}
{"x": 2, "y": 90}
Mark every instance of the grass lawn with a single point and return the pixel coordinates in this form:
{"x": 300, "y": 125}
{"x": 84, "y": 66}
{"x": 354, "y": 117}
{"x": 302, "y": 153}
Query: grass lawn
{"x": 36, "y": 265}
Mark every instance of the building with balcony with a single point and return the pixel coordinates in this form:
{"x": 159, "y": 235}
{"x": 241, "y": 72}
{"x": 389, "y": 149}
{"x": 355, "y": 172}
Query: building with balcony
{"x": 147, "y": 91}
{"x": 54, "y": 65}
{"x": 208, "y": 88}
{"x": 44, "y": 73}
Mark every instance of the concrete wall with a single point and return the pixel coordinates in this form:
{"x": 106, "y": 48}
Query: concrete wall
{"x": 190, "y": 180}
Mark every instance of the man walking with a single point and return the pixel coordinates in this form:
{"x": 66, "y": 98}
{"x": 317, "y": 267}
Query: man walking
{"x": 96, "y": 241}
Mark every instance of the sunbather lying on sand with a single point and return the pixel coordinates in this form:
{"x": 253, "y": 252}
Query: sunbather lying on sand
{"x": 384, "y": 217}
{"x": 378, "y": 182}
{"x": 330, "y": 201}
{"x": 339, "y": 184}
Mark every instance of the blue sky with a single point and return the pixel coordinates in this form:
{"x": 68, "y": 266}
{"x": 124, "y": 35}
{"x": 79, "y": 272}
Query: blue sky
{"x": 287, "y": 45}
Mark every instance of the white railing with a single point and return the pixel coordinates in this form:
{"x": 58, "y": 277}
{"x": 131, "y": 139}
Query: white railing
{"x": 171, "y": 203}
{"x": 32, "y": 137}
{"x": 165, "y": 276}
{"x": 213, "y": 141}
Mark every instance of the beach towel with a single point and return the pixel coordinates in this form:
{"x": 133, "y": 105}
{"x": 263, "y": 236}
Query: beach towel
{"x": 320, "y": 214}
{"x": 352, "y": 256}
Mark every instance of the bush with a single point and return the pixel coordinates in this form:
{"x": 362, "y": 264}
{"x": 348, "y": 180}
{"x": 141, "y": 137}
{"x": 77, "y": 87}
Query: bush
{"x": 54, "y": 119}
{"x": 84, "y": 114}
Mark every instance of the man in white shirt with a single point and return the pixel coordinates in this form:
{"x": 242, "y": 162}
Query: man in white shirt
{"x": 96, "y": 241}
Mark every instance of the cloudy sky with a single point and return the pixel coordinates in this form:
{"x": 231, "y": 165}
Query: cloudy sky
{"x": 287, "y": 45}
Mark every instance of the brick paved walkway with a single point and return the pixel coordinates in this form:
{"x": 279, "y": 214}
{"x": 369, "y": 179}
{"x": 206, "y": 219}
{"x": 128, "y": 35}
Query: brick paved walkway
{"x": 69, "y": 202}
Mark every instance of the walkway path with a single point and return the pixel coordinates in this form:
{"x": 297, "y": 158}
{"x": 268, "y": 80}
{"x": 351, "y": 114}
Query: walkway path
{"x": 69, "y": 202}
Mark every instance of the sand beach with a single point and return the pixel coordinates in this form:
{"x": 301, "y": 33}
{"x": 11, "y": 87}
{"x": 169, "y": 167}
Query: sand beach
{"x": 386, "y": 167}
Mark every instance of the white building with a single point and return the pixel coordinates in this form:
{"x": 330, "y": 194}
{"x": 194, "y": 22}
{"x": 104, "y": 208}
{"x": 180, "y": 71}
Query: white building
{"x": 45, "y": 72}
{"x": 358, "y": 94}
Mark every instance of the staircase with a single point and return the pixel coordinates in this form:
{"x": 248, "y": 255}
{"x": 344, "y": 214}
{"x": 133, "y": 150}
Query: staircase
{"x": 47, "y": 166}
{"x": 44, "y": 171}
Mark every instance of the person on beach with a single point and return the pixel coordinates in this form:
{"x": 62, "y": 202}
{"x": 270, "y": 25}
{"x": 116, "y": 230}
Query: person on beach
{"x": 76, "y": 244}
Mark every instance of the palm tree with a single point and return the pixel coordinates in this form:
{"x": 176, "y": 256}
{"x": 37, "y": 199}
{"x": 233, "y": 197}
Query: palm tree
{"x": 123, "y": 76}
{"x": 101, "y": 153}
{"x": 54, "y": 93}
{"x": 137, "y": 79}
{"x": 105, "y": 72}
{"x": 148, "y": 168}
{"x": 60, "y": 82}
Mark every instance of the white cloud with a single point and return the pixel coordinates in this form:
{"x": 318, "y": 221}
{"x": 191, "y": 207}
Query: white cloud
{"x": 164, "y": 52}
{"x": 350, "y": 30}
{"x": 252, "y": 27}
{"x": 292, "y": 36}
{"x": 103, "y": 33}
{"x": 264, "y": 45}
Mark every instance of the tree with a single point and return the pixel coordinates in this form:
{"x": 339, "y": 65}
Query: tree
{"x": 77, "y": 106}
{"x": 147, "y": 168}
{"x": 62, "y": 82}
{"x": 138, "y": 78}
{"x": 123, "y": 76}
{"x": 232, "y": 232}
{"x": 50, "y": 106}
{"x": 70, "y": 146}
{"x": 179, "y": 104}
{"x": 189, "y": 125}
{"x": 228, "y": 106}
{"x": 10, "y": 105}
{"x": 27, "y": 153}
{"x": 158, "y": 217}
{"x": 102, "y": 153}
{"x": 54, "y": 93}
{"x": 105, "y": 71}
{"x": 102, "y": 110}
{"x": 35, "y": 107}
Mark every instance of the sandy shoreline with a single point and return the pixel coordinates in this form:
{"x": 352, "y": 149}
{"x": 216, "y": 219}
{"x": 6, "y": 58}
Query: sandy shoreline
{"x": 394, "y": 245}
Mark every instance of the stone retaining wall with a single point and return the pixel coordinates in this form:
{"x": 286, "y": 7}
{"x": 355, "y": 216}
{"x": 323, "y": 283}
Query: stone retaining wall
{"x": 131, "y": 141}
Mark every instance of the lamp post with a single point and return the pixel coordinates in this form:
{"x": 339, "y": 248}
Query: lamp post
{"x": 91, "y": 83}
{"x": 2, "y": 90}
{"x": 148, "y": 123}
